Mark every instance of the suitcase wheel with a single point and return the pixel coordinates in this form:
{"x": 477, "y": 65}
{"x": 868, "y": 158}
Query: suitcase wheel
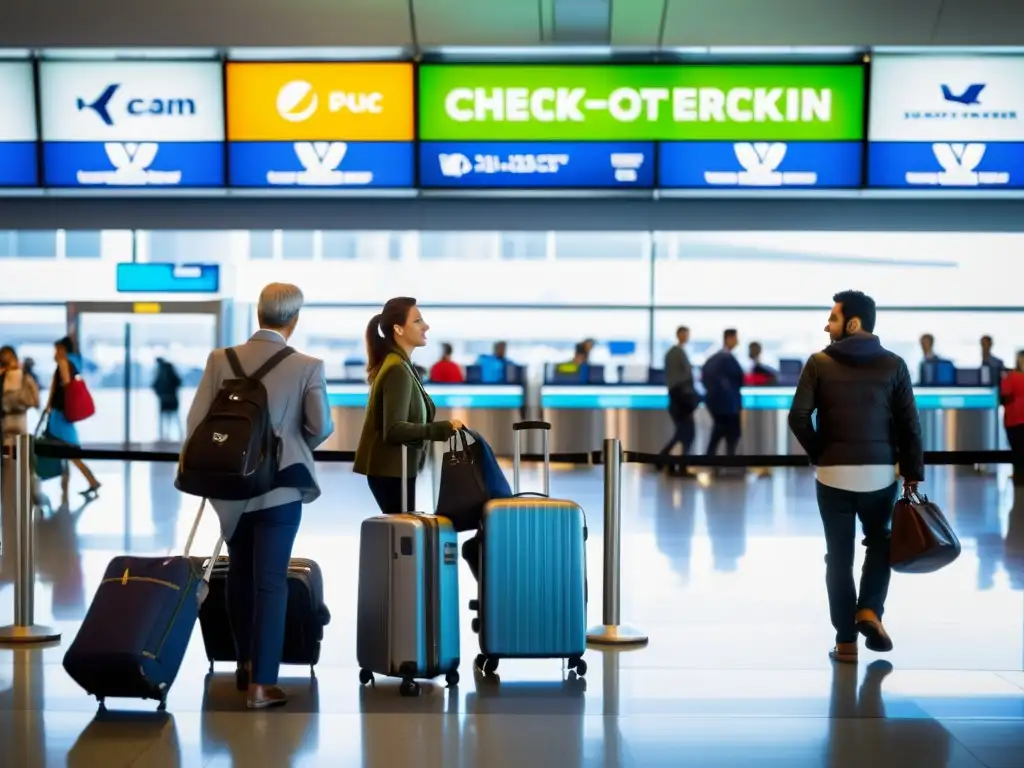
{"x": 162, "y": 706}
{"x": 474, "y": 605}
{"x": 486, "y": 664}
{"x": 475, "y": 625}
{"x": 366, "y": 677}
{"x": 103, "y": 703}
{"x": 452, "y": 678}
{"x": 409, "y": 688}
{"x": 578, "y": 664}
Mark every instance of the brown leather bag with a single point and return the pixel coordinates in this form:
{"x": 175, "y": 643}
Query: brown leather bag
{"x": 923, "y": 541}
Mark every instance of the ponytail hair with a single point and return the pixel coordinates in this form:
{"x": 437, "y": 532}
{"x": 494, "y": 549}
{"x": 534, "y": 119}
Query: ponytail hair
{"x": 380, "y": 333}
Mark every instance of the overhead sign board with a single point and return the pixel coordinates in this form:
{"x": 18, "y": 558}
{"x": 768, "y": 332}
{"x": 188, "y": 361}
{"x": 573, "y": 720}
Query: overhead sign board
{"x": 641, "y": 102}
{"x": 760, "y": 165}
{"x": 18, "y": 163}
{"x": 947, "y": 122}
{"x": 537, "y": 165}
{"x": 320, "y": 124}
{"x": 132, "y": 124}
{"x": 158, "y": 277}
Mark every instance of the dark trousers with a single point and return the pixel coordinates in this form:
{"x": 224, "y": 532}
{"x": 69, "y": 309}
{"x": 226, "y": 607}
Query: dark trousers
{"x": 471, "y": 553}
{"x": 682, "y": 420}
{"x": 726, "y": 427}
{"x": 1015, "y": 437}
{"x": 259, "y": 551}
{"x": 387, "y": 492}
{"x": 839, "y": 512}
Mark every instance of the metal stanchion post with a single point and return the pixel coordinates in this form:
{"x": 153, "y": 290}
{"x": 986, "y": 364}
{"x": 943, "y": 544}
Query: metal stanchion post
{"x": 611, "y": 632}
{"x": 24, "y": 629}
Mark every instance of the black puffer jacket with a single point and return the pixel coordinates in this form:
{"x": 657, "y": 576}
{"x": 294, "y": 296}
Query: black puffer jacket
{"x": 866, "y": 409}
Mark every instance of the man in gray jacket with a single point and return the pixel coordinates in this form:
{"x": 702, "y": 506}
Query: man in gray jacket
{"x": 260, "y": 532}
{"x": 682, "y": 397}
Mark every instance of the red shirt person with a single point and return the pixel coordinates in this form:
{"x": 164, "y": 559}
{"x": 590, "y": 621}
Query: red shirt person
{"x": 446, "y": 370}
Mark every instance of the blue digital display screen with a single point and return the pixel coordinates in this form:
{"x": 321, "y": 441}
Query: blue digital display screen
{"x": 168, "y": 278}
{"x": 18, "y": 164}
{"x": 759, "y": 165}
{"x": 537, "y": 165}
{"x": 497, "y": 396}
{"x": 992, "y": 165}
{"x": 321, "y": 164}
{"x": 133, "y": 164}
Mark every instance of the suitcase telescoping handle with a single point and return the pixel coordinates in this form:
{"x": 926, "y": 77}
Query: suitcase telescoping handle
{"x": 405, "y": 478}
{"x": 204, "y": 589}
{"x": 517, "y": 429}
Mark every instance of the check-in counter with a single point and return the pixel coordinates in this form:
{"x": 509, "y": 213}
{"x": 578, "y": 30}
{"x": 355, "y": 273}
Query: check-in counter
{"x": 952, "y": 418}
{"x": 490, "y": 409}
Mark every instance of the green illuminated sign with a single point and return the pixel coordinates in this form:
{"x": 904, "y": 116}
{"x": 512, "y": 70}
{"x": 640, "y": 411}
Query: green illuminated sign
{"x": 641, "y": 102}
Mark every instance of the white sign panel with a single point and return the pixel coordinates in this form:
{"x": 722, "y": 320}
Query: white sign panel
{"x": 18, "y": 115}
{"x": 956, "y": 98}
{"x": 132, "y": 101}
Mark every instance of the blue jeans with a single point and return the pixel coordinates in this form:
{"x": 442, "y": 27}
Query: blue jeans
{"x": 258, "y": 554}
{"x": 839, "y": 512}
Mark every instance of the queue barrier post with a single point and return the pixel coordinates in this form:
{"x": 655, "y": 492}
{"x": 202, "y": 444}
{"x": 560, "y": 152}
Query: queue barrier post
{"x": 24, "y": 630}
{"x": 611, "y": 632}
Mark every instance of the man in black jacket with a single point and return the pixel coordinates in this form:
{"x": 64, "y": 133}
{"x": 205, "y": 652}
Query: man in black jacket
{"x": 867, "y": 424}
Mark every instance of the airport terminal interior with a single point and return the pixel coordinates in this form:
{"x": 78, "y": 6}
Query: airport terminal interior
{"x": 572, "y": 190}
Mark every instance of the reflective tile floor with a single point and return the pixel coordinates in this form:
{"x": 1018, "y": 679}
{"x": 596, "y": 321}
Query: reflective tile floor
{"x": 726, "y": 579}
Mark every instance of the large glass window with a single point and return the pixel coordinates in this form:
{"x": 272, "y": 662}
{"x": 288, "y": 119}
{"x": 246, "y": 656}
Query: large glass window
{"x": 34, "y": 244}
{"x": 83, "y": 244}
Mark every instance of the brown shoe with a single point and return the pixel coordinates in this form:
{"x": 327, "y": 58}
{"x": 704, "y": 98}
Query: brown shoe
{"x": 265, "y": 696}
{"x": 869, "y": 625}
{"x": 844, "y": 652}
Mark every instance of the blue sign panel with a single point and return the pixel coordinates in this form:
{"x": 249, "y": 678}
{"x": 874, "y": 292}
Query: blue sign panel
{"x": 444, "y": 396}
{"x": 134, "y": 164}
{"x": 759, "y": 164}
{"x": 537, "y": 165}
{"x": 947, "y": 165}
{"x": 167, "y": 278}
{"x": 19, "y": 165}
{"x": 321, "y": 164}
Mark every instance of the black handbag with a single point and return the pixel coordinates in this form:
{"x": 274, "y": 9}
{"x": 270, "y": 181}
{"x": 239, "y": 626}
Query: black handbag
{"x": 922, "y": 541}
{"x": 463, "y": 490}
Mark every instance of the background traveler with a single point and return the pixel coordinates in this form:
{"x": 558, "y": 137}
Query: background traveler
{"x": 446, "y": 370}
{"x": 722, "y": 377}
{"x": 399, "y": 412}
{"x": 867, "y": 423}
{"x": 69, "y": 364}
{"x": 682, "y": 395}
{"x": 260, "y": 532}
{"x": 1012, "y": 397}
{"x": 166, "y": 385}
{"x": 19, "y": 392}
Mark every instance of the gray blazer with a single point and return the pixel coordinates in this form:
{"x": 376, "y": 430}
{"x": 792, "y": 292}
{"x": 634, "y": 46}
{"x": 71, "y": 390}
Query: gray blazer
{"x": 297, "y": 395}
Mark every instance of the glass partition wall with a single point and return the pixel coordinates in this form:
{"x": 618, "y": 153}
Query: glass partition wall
{"x": 541, "y": 292}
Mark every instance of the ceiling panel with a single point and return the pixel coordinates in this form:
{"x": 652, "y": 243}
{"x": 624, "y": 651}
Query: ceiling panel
{"x": 477, "y": 22}
{"x": 981, "y": 22}
{"x": 799, "y": 22}
{"x": 204, "y": 23}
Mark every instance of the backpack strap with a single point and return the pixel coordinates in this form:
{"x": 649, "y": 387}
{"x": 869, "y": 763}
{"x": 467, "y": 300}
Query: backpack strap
{"x": 235, "y": 363}
{"x": 272, "y": 363}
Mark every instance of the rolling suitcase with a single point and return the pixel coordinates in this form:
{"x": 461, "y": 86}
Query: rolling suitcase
{"x": 135, "y": 634}
{"x": 532, "y": 599}
{"x": 408, "y": 614}
{"x": 304, "y": 622}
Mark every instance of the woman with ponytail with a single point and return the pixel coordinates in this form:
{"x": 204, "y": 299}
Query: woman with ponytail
{"x": 399, "y": 412}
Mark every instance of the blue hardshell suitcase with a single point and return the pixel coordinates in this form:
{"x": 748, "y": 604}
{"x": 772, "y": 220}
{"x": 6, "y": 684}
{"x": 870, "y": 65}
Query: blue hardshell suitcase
{"x": 533, "y": 574}
{"x": 407, "y": 622}
{"x": 138, "y": 626}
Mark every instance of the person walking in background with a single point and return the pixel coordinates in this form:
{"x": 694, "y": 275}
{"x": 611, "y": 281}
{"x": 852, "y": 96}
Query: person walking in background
{"x": 69, "y": 365}
{"x": 991, "y": 366}
{"x": 166, "y": 385}
{"x": 722, "y": 377}
{"x": 867, "y": 424}
{"x": 19, "y": 392}
{"x": 682, "y": 395}
{"x": 399, "y": 412}
{"x": 260, "y": 532}
{"x": 760, "y": 375}
{"x": 1011, "y": 394}
{"x": 446, "y": 370}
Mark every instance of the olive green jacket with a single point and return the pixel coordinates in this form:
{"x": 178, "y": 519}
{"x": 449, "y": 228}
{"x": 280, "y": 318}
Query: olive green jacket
{"x": 399, "y": 413}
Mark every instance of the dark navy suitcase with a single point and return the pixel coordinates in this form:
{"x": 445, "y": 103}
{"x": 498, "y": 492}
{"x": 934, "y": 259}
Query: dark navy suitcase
{"x": 135, "y": 634}
{"x": 533, "y": 574}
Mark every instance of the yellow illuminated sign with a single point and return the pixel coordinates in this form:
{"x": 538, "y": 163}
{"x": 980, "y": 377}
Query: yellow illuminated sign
{"x": 146, "y": 308}
{"x": 319, "y": 101}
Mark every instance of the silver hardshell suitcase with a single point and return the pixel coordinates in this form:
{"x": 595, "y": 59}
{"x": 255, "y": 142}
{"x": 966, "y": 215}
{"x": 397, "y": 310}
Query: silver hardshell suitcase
{"x": 408, "y": 616}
